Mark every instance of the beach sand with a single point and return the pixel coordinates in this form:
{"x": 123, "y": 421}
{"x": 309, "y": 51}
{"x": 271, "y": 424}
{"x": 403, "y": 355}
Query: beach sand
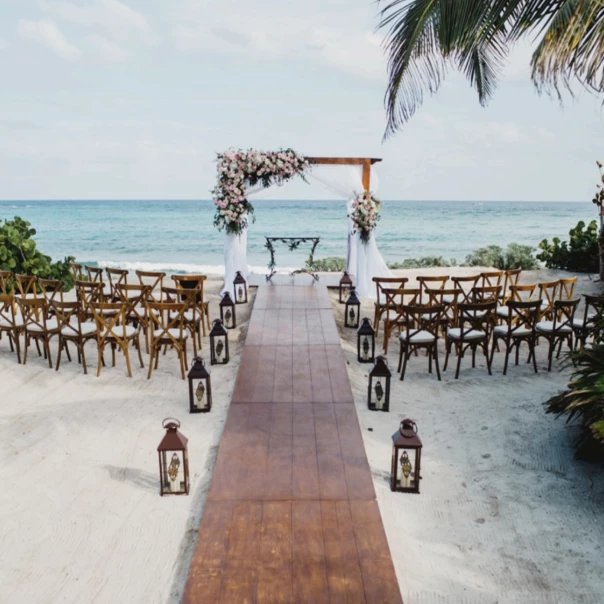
{"x": 505, "y": 514}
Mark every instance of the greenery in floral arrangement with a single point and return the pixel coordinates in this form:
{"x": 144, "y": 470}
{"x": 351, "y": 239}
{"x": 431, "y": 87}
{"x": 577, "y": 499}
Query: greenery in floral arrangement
{"x": 238, "y": 169}
{"x": 515, "y": 256}
{"x": 580, "y": 253}
{"x": 365, "y": 214}
{"x": 330, "y": 264}
{"x": 425, "y": 262}
{"x": 19, "y": 254}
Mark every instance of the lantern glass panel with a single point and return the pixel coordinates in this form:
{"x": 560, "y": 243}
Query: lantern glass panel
{"x": 366, "y": 342}
{"x": 219, "y": 344}
{"x": 378, "y": 395}
{"x": 345, "y": 286}
{"x": 240, "y": 289}
{"x": 200, "y": 387}
{"x": 220, "y": 349}
{"x": 406, "y": 458}
{"x": 352, "y": 310}
{"x": 173, "y": 475}
{"x": 227, "y": 311}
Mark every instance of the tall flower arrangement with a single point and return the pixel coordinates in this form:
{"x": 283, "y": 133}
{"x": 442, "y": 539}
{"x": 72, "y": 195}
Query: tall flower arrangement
{"x": 236, "y": 169}
{"x": 365, "y": 214}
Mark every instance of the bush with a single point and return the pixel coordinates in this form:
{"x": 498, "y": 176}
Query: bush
{"x": 579, "y": 254}
{"x": 331, "y": 264}
{"x": 19, "y": 254}
{"x": 515, "y": 256}
{"x": 425, "y": 262}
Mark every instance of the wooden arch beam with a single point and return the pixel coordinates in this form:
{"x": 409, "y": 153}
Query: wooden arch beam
{"x": 366, "y": 162}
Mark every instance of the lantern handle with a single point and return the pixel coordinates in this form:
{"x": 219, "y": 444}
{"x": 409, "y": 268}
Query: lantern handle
{"x": 170, "y": 420}
{"x": 408, "y": 423}
{"x": 198, "y": 359}
{"x": 385, "y": 360}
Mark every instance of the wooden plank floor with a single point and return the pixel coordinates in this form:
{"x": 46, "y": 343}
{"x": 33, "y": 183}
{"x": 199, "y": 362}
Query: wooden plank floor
{"x": 291, "y": 514}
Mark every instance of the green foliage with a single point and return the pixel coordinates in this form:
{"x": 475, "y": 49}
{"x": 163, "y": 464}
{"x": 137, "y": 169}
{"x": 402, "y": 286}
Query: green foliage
{"x": 331, "y": 264}
{"x": 579, "y": 254}
{"x": 425, "y": 262}
{"x": 19, "y": 254}
{"x": 515, "y": 256}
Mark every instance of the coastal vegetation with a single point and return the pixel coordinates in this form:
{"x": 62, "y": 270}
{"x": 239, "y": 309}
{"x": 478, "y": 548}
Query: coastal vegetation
{"x": 20, "y": 254}
{"x": 580, "y": 253}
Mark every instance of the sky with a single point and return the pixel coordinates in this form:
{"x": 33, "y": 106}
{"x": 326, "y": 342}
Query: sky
{"x": 132, "y": 99}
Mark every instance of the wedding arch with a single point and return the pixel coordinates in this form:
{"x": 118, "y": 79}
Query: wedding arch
{"x": 241, "y": 174}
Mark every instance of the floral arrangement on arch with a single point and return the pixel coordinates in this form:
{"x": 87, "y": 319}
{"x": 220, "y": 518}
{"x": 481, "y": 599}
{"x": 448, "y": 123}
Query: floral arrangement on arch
{"x": 236, "y": 169}
{"x": 365, "y": 214}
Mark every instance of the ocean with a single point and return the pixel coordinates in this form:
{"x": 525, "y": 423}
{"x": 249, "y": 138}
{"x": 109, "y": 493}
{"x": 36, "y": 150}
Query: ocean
{"x": 178, "y": 236}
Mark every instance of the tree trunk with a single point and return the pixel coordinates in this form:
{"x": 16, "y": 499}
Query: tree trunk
{"x": 601, "y": 253}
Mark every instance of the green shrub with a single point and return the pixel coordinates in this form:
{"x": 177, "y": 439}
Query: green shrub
{"x": 331, "y": 264}
{"x": 515, "y": 256}
{"x": 19, "y": 254}
{"x": 579, "y": 254}
{"x": 425, "y": 262}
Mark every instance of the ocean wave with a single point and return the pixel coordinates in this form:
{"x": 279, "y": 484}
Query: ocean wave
{"x": 178, "y": 267}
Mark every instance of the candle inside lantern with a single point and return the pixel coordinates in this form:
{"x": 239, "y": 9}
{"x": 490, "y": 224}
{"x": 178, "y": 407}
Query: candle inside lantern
{"x": 200, "y": 394}
{"x": 366, "y": 347}
{"x": 351, "y": 314}
{"x": 240, "y": 293}
{"x": 228, "y": 315}
{"x": 345, "y": 293}
{"x": 173, "y": 473}
{"x": 406, "y": 469}
{"x": 379, "y": 393}
{"x": 219, "y": 349}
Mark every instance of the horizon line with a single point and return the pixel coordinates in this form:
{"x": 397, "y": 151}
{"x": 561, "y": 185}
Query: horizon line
{"x": 153, "y": 199}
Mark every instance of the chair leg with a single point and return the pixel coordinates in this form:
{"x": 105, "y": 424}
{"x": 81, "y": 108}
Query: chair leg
{"x": 61, "y": 343}
{"x": 83, "y": 357}
{"x": 67, "y": 352}
{"x": 458, "y": 364}
{"x": 376, "y": 320}
{"x": 435, "y": 354}
{"x": 407, "y": 352}
{"x": 429, "y": 353}
{"x": 400, "y": 359}
{"x": 112, "y": 354}
{"x": 38, "y": 347}
{"x": 17, "y": 347}
{"x": 517, "y": 350}
{"x": 507, "y": 357}
{"x": 26, "y": 344}
{"x": 100, "y": 363}
{"x": 447, "y": 353}
{"x": 137, "y": 343}
{"x": 532, "y": 345}
{"x": 127, "y": 355}
{"x": 474, "y": 357}
{"x": 150, "y": 372}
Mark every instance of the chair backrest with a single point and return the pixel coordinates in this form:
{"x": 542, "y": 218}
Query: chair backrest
{"x": 26, "y": 285}
{"x": 522, "y": 293}
{"x": 511, "y": 277}
{"x": 166, "y": 317}
{"x": 441, "y": 297}
{"x": 95, "y": 274}
{"x": 422, "y": 318}
{"x": 382, "y": 283}
{"x": 466, "y": 285}
{"x": 567, "y": 288}
{"x": 432, "y": 282}
{"x": 135, "y": 298}
{"x": 8, "y": 312}
{"x": 89, "y": 292}
{"x": 486, "y": 293}
{"x": 34, "y": 311}
{"x": 522, "y": 316}
{"x": 594, "y": 306}
{"x": 6, "y": 282}
{"x": 52, "y": 290}
{"x": 548, "y": 293}
{"x": 479, "y": 316}
{"x": 110, "y": 319}
{"x": 76, "y": 271}
{"x": 155, "y": 280}
{"x": 195, "y": 282}
{"x": 116, "y": 276}
{"x": 564, "y": 313}
{"x": 68, "y": 315}
{"x": 492, "y": 278}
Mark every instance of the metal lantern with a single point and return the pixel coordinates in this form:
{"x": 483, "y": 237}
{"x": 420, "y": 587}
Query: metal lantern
{"x": 227, "y": 311}
{"x": 406, "y": 458}
{"x": 352, "y": 309}
{"x": 200, "y": 387}
{"x": 378, "y": 393}
{"x": 219, "y": 344}
{"x": 366, "y": 342}
{"x": 240, "y": 288}
{"x": 173, "y": 460}
{"x": 345, "y": 287}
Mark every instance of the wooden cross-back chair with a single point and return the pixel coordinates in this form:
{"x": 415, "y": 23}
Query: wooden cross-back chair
{"x": 519, "y": 327}
{"x": 88, "y": 293}
{"x": 116, "y": 276}
{"x": 6, "y": 282}
{"x": 380, "y": 306}
{"x": 511, "y": 277}
{"x": 11, "y": 322}
{"x": 26, "y": 286}
{"x": 155, "y": 280}
{"x": 566, "y": 291}
{"x": 95, "y": 273}
{"x": 548, "y": 294}
{"x": 52, "y": 291}
{"x": 559, "y": 329}
{"x": 492, "y": 278}
{"x": 432, "y": 282}
{"x": 396, "y": 299}
{"x": 517, "y": 293}
{"x": 587, "y": 325}
{"x": 465, "y": 285}
{"x": 420, "y": 325}
{"x": 168, "y": 329}
{"x": 449, "y": 300}
{"x": 37, "y": 327}
{"x": 192, "y": 317}
{"x": 485, "y": 294}
{"x": 135, "y": 298}
{"x": 112, "y": 329}
{"x": 196, "y": 282}
{"x": 77, "y": 271}
{"x": 73, "y": 328}
{"x": 476, "y": 323}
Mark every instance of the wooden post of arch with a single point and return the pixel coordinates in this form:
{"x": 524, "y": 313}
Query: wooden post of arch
{"x": 366, "y": 162}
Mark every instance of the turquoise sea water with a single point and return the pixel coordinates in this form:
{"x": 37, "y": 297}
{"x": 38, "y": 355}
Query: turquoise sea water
{"x": 179, "y": 235}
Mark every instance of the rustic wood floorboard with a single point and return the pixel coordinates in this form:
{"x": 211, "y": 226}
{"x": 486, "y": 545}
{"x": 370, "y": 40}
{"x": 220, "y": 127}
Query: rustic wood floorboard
{"x": 291, "y": 514}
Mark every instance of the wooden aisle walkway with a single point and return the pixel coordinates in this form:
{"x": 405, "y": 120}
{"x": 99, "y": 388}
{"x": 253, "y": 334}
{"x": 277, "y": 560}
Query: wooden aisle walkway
{"x": 291, "y": 515}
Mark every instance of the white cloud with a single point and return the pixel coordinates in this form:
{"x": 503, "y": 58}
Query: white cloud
{"x": 108, "y": 49}
{"x": 46, "y": 32}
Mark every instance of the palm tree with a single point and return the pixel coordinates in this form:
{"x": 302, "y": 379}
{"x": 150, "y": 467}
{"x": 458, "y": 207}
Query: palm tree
{"x": 424, "y": 37}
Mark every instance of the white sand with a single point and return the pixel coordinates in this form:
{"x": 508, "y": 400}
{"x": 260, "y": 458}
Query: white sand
{"x": 505, "y": 514}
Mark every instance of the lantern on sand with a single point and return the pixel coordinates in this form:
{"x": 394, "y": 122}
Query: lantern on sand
{"x": 227, "y": 311}
{"x": 200, "y": 387}
{"x": 219, "y": 344}
{"x": 240, "y": 288}
{"x": 173, "y": 460}
{"x": 406, "y": 458}
{"x": 366, "y": 342}
{"x": 378, "y": 392}
{"x": 352, "y": 308}
{"x": 344, "y": 287}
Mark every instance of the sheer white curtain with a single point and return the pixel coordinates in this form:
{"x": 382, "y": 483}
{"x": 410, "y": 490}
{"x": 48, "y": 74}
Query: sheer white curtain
{"x": 364, "y": 261}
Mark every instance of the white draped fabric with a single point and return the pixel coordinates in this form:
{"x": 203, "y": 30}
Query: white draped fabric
{"x": 363, "y": 261}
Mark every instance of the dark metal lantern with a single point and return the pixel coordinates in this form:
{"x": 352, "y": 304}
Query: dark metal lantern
{"x": 345, "y": 286}
{"x": 378, "y": 392}
{"x": 405, "y": 473}
{"x": 219, "y": 344}
{"x": 227, "y": 311}
{"x": 200, "y": 387}
{"x": 366, "y": 342}
{"x": 352, "y": 309}
{"x": 240, "y": 288}
{"x": 173, "y": 460}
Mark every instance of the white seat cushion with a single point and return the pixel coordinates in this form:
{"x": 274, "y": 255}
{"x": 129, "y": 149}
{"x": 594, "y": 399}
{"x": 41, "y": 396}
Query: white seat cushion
{"x": 189, "y": 315}
{"x": 580, "y": 323}
{"x": 420, "y": 337}
{"x": 503, "y": 330}
{"x": 503, "y": 311}
{"x": 391, "y": 315}
{"x": 87, "y": 329}
{"x": 174, "y": 332}
{"x": 6, "y": 323}
{"x": 474, "y": 334}
{"x": 548, "y": 327}
{"x": 119, "y": 331}
{"x": 51, "y": 325}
